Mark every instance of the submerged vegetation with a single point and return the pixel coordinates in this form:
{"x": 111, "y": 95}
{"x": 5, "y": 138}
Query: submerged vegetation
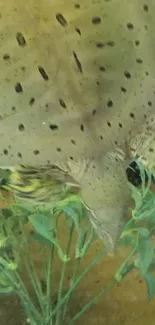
{"x": 47, "y": 306}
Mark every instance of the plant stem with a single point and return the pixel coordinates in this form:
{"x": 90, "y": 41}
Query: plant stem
{"x": 25, "y": 299}
{"x": 93, "y": 301}
{"x": 76, "y": 270}
{"x": 78, "y": 260}
{"x": 59, "y": 312}
{"x": 22, "y": 293}
{"x": 33, "y": 282}
{"x": 44, "y": 260}
{"x": 97, "y": 257}
{"x": 17, "y": 282}
{"x": 120, "y": 273}
{"x": 36, "y": 279}
{"x": 48, "y": 292}
{"x": 29, "y": 264}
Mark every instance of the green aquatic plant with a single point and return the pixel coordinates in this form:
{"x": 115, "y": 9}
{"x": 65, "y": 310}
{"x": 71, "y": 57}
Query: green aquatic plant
{"x": 139, "y": 233}
{"x": 42, "y": 309}
{"x": 46, "y": 234}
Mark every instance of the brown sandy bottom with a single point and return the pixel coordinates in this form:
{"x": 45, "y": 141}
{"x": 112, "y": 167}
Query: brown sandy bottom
{"x": 125, "y": 304}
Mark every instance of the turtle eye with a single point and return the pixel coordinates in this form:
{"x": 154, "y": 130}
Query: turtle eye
{"x": 133, "y": 174}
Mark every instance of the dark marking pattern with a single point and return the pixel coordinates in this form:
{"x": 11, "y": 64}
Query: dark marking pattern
{"x": 20, "y": 39}
{"x": 78, "y": 63}
{"x": 43, "y": 73}
{"x": 60, "y": 18}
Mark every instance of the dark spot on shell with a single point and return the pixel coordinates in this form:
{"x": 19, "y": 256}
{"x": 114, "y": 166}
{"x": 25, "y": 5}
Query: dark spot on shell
{"x": 130, "y": 26}
{"x": 5, "y": 151}
{"x": 94, "y": 112}
{"x": 137, "y": 43}
{"x": 150, "y": 103}
{"x": 120, "y": 125}
{"x": 61, "y": 20}
{"x": 71, "y": 158}
{"x": 77, "y": 6}
{"x": 32, "y": 100}
{"x": 101, "y": 137}
{"x": 73, "y": 142}
{"x": 59, "y": 149}
{"x": 6, "y": 57}
{"x": 132, "y": 115}
{"x": 53, "y": 127}
{"x": 96, "y": 20}
{"x": 139, "y": 60}
{"x": 43, "y": 73}
{"x": 145, "y": 7}
{"x": 23, "y": 69}
{"x": 19, "y": 154}
{"x": 36, "y": 152}
{"x": 78, "y": 63}
{"x": 123, "y": 90}
{"x": 78, "y": 31}
{"x": 127, "y": 74}
{"x": 100, "y": 45}
{"x": 62, "y": 103}
{"x": 20, "y": 39}
{"x": 21, "y": 127}
{"x": 82, "y": 127}
{"x": 102, "y": 68}
{"x": 18, "y": 88}
{"x": 151, "y": 150}
{"x": 110, "y": 43}
{"x": 110, "y": 103}
{"x": 108, "y": 123}
{"x": 13, "y": 108}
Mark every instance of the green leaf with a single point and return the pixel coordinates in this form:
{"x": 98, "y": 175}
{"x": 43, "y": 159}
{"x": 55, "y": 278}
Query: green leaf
{"x": 144, "y": 232}
{"x": 40, "y": 239}
{"x": 127, "y": 240}
{"x": 76, "y": 206}
{"x": 128, "y": 228}
{"x": 150, "y": 281}
{"x": 42, "y": 225}
{"x": 142, "y": 175}
{"x": 146, "y": 253}
{"x": 123, "y": 271}
{"x": 147, "y": 214}
{"x": 136, "y": 195}
{"x": 82, "y": 246}
{"x": 74, "y": 216}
